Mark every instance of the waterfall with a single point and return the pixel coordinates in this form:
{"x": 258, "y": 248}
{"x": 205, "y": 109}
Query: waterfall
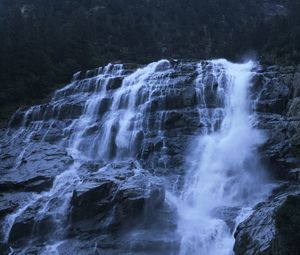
{"x": 100, "y": 122}
{"x": 223, "y": 173}
{"x": 172, "y": 119}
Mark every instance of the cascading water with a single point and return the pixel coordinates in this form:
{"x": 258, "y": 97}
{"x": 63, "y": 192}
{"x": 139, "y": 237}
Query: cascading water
{"x": 109, "y": 127}
{"x": 223, "y": 172}
{"x": 146, "y": 115}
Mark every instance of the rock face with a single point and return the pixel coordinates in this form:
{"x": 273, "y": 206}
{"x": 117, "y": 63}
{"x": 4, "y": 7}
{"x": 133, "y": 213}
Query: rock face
{"x": 88, "y": 160}
{"x": 123, "y": 189}
{"x": 260, "y": 233}
{"x": 278, "y": 115}
{"x": 92, "y": 166}
{"x": 35, "y": 169}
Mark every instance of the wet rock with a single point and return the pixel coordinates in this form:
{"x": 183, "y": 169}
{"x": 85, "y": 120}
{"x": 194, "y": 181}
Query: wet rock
{"x": 163, "y": 65}
{"x": 189, "y": 96}
{"x": 10, "y": 202}
{"x": 35, "y": 184}
{"x": 68, "y": 111}
{"x": 104, "y": 105}
{"x": 173, "y": 100}
{"x": 115, "y": 83}
{"x": 296, "y": 85}
{"x": 23, "y": 225}
{"x": 91, "y": 199}
{"x": 148, "y": 148}
{"x": 117, "y": 194}
{"x": 111, "y": 199}
{"x": 54, "y": 133}
{"x": 257, "y": 234}
{"x": 35, "y": 170}
{"x": 40, "y": 227}
{"x": 282, "y": 145}
{"x": 93, "y": 166}
{"x": 174, "y": 120}
{"x": 227, "y": 214}
{"x": 294, "y": 109}
{"x": 91, "y": 73}
{"x": 152, "y": 242}
{"x": 37, "y": 218}
{"x": 287, "y": 223}
{"x": 140, "y": 192}
{"x": 211, "y": 98}
{"x": 294, "y": 174}
{"x": 6, "y": 206}
{"x": 157, "y": 104}
{"x": 273, "y": 96}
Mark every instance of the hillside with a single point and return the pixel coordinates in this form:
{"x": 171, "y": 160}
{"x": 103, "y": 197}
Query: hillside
{"x": 42, "y": 42}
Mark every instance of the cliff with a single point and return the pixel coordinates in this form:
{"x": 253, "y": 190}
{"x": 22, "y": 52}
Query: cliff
{"x": 95, "y": 165}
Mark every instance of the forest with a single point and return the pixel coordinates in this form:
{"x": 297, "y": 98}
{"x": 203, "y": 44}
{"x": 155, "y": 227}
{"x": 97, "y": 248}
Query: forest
{"x": 43, "y": 42}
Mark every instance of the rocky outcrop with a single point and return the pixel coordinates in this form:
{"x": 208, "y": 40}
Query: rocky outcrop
{"x": 122, "y": 190}
{"x": 278, "y": 116}
{"x": 287, "y": 221}
{"x": 271, "y": 229}
{"x": 110, "y": 198}
{"x": 114, "y": 202}
{"x": 33, "y": 168}
{"x": 119, "y": 196}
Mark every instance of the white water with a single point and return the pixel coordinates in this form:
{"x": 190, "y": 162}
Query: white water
{"x": 222, "y": 167}
{"x": 127, "y": 112}
{"x": 223, "y": 171}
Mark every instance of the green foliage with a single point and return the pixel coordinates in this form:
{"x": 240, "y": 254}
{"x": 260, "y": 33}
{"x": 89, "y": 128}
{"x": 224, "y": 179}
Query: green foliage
{"x": 42, "y": 42}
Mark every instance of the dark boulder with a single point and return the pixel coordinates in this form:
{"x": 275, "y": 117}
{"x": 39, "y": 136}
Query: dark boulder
{"x": 91, "y": 199}
{"x": 274, "y": 96}
{"x": 287, "y": 223}
{"x": 117, "y": 194}
{"x": 115, "y": 83}
{"x": 36, "y": 169}
{"x": 104, "y": 105}
{"x": 261, "y": 233}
